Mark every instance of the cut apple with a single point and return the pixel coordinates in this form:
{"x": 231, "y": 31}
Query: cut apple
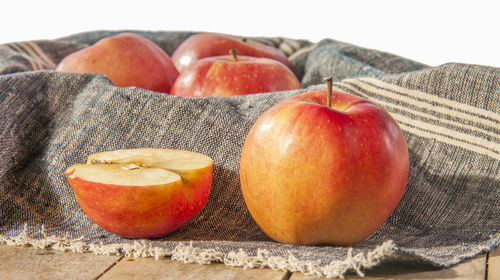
{"x": 142, "y": 193}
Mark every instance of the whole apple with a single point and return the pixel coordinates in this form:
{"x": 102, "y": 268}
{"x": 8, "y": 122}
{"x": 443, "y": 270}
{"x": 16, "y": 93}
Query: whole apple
{"x": 232, "y": 75}
{"x": 203, "y": 45}
{"x": 127, "y": 59}
{"x": 142, "y": 193}
{"x": 314, "y": 174}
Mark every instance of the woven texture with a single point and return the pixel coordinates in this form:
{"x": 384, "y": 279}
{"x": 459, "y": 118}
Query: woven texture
{"x": 449, "y": 115}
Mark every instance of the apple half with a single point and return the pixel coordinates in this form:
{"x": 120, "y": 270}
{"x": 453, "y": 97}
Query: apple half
{"x": 142, "y": 193}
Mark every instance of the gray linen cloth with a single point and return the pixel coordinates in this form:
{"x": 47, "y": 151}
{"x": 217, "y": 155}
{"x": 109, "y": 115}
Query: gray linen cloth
{"x": 449, "y": 115}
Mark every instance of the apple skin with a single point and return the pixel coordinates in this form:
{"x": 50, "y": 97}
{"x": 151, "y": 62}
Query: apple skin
{"x": 127, "y": 59}
{"x": 143, "y": 211}
{"x": 317, "y": 175}
{"x": 203, "y": 45}
{"x": 223, "y": 76}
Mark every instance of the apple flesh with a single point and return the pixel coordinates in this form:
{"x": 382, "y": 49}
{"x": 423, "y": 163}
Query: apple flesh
{"x": 127, "y": 59}
{"x": 313, "y": 174}
{"x": 232, "y": 75}
{"x": 142, "y": 193}
{"x": 203, "y": 45}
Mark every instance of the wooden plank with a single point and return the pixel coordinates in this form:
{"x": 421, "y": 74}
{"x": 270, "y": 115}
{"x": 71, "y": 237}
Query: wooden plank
{"x": 149, "y": 268}
{"x": 32, "y": 263}
{"x": 471, "y": 270}
{"x": 494, "y": 264}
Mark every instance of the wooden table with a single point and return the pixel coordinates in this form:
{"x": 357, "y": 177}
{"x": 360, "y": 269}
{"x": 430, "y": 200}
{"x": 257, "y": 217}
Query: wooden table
{"x": 31, "y": 263}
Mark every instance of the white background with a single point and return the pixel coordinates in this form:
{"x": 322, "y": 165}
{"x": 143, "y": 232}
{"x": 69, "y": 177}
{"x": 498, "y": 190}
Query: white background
{"x": 429, "y": 31}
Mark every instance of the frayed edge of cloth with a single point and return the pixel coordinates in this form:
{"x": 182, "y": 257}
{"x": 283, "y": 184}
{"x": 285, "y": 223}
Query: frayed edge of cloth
{"x": 335, "y": 269}
{"x": 187, "y": 253}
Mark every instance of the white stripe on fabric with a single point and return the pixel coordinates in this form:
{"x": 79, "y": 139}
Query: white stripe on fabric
{"x": 41, "y": 54}
{"x": 34, "y": 65}
{"x": 433, "y": 103}
{"x": 426, "y": 129}
{"x": 389, "y": 105}
{"x": 448, "y": 140}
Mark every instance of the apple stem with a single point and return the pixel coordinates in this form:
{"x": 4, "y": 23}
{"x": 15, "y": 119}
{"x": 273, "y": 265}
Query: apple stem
{"x": 234, "y": 53}
{"x": 244, "y": 39}
{"x": 329, "y": 85}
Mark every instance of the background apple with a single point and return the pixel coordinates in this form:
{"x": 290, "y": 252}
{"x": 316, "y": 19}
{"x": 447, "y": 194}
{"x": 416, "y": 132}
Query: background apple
{"x": 234, "y": 75}
{"x": 142, "y": 193}
{"x": 311, "y": 174}
{"x": 127, "y": 59}
{"x": 203, "y": 45}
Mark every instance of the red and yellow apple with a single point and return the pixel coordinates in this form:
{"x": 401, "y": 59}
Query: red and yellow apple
{"x": 127, "y": 59}
{"x": 314, "y": 174}
{"x": 203, "y": 45}
{"x": 232, "y": 75}
{"x": 142, "y": 193}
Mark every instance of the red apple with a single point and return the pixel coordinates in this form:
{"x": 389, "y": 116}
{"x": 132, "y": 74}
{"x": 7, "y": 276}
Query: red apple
{"x": 314, "y": 174}
{"x": 142, "y": 193}
{"x": 234, "y": 75}
{"x": 127, "y": 59}
{"x": 203, "y": 45}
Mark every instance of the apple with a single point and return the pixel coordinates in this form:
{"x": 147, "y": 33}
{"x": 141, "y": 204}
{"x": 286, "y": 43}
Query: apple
{"x": 317, "y": 174}
{"x": 142, "y": 193}
{"x": 203, "y": 45}
{"x": 232, "y": 75}
{"x": 127, "y": 59}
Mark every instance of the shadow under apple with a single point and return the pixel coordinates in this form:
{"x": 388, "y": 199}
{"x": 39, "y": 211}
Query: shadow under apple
{"x": 224, "y": 217}
{"x": 442, "y": 210}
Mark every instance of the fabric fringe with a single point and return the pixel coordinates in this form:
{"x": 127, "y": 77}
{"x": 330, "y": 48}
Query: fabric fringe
{"x": 187, "y": 253}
